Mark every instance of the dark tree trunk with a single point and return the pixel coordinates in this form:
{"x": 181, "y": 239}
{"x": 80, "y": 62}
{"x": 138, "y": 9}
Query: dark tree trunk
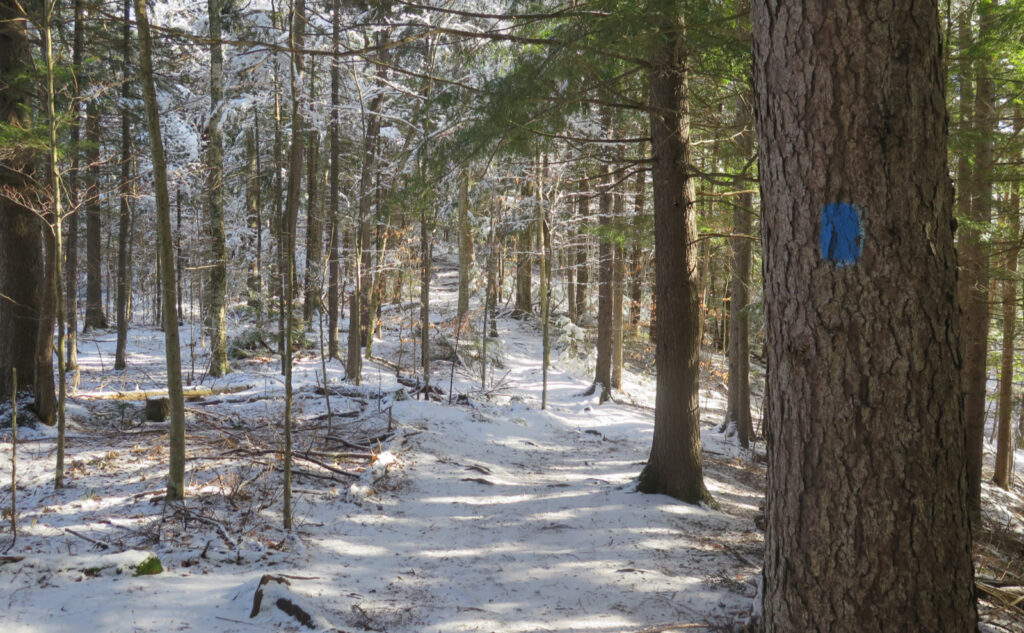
{"x": 314, "y": 226}
{"x": 675, "y": 466}
{"x": 21, "y": 247}
{"x": 867, "y": 510}
{"x": 124, "y": 216}
{"x": 94, "y": 315}
{"x": 738, "y": 408}
{"x": 974, "y": 270}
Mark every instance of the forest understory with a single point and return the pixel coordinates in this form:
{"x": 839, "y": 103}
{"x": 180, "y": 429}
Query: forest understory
{"x": 487, "y": 514}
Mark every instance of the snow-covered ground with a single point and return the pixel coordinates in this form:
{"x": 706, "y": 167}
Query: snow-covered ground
{"x": 492, "y": 515}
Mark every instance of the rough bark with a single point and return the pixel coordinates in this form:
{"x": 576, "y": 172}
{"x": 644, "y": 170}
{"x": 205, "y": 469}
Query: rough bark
{"x": 675, "y": 466}
{"x": 867, "y": 525}
{"x": 172, "y": 349}
{"x": 216, "y": 316}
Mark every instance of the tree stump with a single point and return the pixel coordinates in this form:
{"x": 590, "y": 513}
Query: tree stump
{"x": 157, "y": 409}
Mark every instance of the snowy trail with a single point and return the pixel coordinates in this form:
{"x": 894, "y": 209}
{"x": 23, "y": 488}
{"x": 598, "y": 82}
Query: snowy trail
{"x": 496, "y": 516}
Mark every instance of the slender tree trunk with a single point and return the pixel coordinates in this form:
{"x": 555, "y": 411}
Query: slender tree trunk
{"x": 974, "y": 274}
{"x": 57, "y": 289}
{"x": 94, "y": 316}
{"x": 636, "y": 272}
{"x": 1004, "y": 440}
{"x": 216, "y": 318}
{"x": 675, "y": 466}
{"x": 334, "y": 276}
{"x": 425, "y": 254}
{"x": 524, "y": 270}
{"x": 582, "y": 272}
{"x": 372, "y": 132}
{"x": 465, "y": 247}
{"x": 176, "y": 471}
{"x": 738, "y": 407}
{"x": 868, "y": 527}
{"x": 124, "y": 216}
{"x": 618, "y": 284}
{"x": 314, "y": 218}
{"x": 605, "y": 267}
{"x": 74, "y": 195}
{"x": 254, "y": 220}
{"x": 297, "y": 31}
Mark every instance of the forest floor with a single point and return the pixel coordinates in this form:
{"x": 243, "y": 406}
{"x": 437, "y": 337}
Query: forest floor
{"x": 410, "y": 515}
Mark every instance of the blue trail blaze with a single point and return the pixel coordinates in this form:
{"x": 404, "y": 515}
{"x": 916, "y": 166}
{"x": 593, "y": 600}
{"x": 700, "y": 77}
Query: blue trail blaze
{"x": 842, "y": 235}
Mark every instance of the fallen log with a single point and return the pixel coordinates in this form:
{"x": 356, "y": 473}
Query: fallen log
{"x": 190, "y": 393}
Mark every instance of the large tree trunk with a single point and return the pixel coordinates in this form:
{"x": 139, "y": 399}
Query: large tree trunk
{"x": 172, "y": 349}
{"x": 94, "y": 316}
{"x": 216, "y": 316}
{"x": 738, "y": 407}
{"x": 675, "y": 467}
{"x": 867, "y": 511}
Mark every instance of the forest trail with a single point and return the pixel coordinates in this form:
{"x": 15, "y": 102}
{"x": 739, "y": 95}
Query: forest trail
{"x": 491, "y": 516}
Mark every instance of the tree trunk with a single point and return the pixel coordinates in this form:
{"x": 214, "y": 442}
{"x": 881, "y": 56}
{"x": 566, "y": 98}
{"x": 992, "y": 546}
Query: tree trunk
{"x": 172, "y": 350}
{"x": 216, "y": 318}
{"x": 356, "y": 328}
{"x": 254, "y": 224}
{"x": 675, "y": 467}
{"x": 618, "y": 287}
{"x": 582, "y": 272}
{"x": 738, "y": 407}
{"x": 867, "y": 511}
{"x": 1004, "y": 439}
{"x": 465, "y": 247}
{"x": 57, "y": 290}
{"x": 124, "y": 215}
{"x": 334, "y": 272}
{"x": 974, "y": 273}
{"x": 314, "y": 220}
{"x": 636, "y": 272}
{"x": 74, "y": 195}
{"x": 94, "y": 316}
{"x": 524, "y": 270}
{"x": 605, "y": 265}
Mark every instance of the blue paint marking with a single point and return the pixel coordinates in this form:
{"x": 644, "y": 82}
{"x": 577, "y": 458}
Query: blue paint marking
{"x": 842, "y": 235}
